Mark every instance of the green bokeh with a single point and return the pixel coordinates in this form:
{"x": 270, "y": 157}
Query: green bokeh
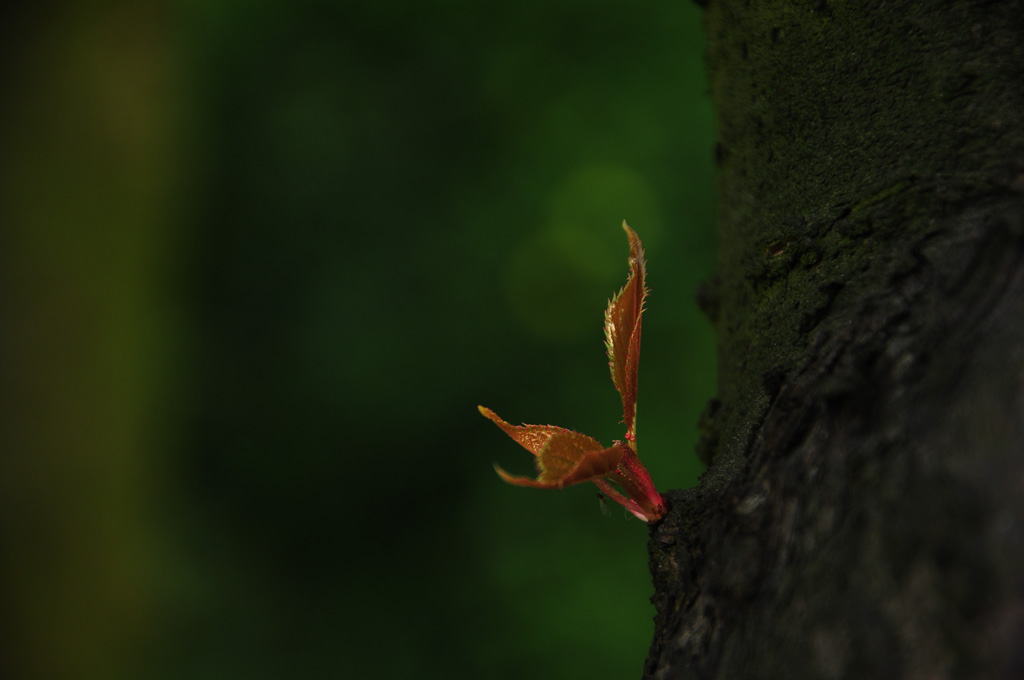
{"x": 382, "y": 215}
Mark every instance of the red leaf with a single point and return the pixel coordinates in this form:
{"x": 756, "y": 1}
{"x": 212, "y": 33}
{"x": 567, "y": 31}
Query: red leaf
{"x": 622, "y": 330}
{"x": 564, "y": 461}
{"x": 534, "y": 437}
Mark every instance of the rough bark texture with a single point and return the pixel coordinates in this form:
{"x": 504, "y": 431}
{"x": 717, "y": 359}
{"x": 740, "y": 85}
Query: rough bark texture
{"x": 863, "y": 516}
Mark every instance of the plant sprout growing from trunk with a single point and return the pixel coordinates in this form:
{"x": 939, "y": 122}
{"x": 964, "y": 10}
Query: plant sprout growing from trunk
{"x": 565, "y": 457}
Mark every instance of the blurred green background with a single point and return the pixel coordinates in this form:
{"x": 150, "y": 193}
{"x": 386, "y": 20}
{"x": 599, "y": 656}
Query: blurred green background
{"x": 262, "y": 260}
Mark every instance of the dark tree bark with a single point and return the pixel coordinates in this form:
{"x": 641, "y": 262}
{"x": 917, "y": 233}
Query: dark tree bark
{"x": 863, "y": 516}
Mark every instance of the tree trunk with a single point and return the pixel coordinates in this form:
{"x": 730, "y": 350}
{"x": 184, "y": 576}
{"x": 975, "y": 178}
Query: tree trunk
{"x": 863, "y": 516}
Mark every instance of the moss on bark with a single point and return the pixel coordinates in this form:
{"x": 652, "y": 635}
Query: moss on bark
{"x": 845, "y": 130}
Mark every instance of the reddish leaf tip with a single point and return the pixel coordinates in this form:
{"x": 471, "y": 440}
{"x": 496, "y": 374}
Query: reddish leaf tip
{"x": 519, "y": 480}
